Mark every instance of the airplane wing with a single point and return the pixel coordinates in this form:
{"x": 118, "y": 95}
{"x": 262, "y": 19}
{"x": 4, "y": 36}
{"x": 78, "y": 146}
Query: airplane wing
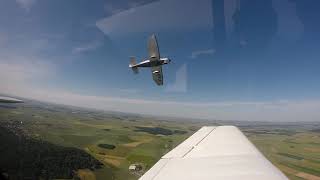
{"x": 9, "y": 100}
{"x": 214, "y": 153}
{"x": 157, "y": 75}
{"x": 153, "y": 49}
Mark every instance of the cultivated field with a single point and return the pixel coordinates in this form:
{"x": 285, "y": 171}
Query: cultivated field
{"x": 118, "y": 140}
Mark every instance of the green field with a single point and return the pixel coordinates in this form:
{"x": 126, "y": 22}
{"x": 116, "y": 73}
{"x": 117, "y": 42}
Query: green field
{"x": 297, "y": 154}
{"x": 118, "y": 140}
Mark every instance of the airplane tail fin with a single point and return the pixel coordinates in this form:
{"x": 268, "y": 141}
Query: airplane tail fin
{"x": 132, "y": 65}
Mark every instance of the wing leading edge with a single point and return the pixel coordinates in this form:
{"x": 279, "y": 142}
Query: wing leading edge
{"x": 219, "y": 153}
{"x": 154, "y": 55}
{"x": 9, "y": 100}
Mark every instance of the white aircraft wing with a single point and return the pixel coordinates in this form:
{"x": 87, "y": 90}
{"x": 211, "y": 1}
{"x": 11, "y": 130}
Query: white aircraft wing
{"x": 214, "y": 153}
{"x": 153, "y": 49}
{"x": 157, "y": 75}
{"x": 9, "y": 100}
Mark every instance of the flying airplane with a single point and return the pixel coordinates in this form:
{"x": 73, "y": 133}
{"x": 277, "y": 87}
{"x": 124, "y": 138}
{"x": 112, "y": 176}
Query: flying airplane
{"x": 9, "y": 100}
{"x": 154, "y": 61}
{"x": 214, "y": 152}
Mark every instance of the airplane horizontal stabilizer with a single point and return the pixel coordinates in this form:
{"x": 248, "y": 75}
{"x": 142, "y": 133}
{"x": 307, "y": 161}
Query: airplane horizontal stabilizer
{"x": 133, "y": 62}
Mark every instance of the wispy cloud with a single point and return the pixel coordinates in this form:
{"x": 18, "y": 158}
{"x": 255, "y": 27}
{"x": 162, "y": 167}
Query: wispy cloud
{"x": 196, "y": 54}
{"x": 180, "y": 84}
{"x": 129, "y": 91}
{"x": 87, "y": 47}
{"x": 26, "y": 4}
{"x": 19, "y": 72}
{"x": 248, "y": 111}
{"x": 19, "y": 76}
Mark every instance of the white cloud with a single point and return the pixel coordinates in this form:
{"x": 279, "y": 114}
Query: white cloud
{"x": 180, "y": 84}
{"x": 19, "y": 76}
{"x": 247, "y": 111}
{"x": 196, "y": 54}
{"x": 26, "y": 4}
{"x": 19, "y": 72}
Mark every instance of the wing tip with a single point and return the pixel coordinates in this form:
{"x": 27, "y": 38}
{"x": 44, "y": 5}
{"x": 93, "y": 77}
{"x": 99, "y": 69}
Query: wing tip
{"x": 153, "y": 37}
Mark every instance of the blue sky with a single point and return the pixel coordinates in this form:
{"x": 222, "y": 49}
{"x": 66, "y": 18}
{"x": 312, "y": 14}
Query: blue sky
{"x": 77, "y": 52}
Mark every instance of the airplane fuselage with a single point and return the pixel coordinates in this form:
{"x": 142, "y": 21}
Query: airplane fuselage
{"x": 149, "y": 63}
